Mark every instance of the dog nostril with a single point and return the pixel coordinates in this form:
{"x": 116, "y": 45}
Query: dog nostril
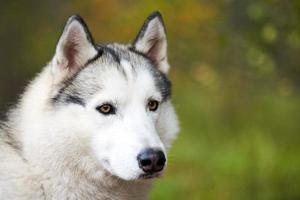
{"x": 161, "y": 161}
{"x": 146, "y": 162}
{"x": 151, "y": 160}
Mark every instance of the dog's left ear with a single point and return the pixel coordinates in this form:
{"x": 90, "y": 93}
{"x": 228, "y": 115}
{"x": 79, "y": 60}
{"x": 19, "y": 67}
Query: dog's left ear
{"x": 74, "y": 49}
{"x": 152, "y": 41}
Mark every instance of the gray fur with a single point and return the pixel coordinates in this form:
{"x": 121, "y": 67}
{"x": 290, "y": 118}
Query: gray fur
{"x": 83, "y": 84}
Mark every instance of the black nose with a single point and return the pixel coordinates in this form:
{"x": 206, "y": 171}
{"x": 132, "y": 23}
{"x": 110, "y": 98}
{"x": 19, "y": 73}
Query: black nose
{"x": 151, "y": 160}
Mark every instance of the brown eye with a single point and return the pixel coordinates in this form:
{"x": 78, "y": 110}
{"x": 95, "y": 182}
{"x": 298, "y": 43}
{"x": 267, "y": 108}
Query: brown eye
{"x": 106, "y": 109}
{"x": 153, "y": 105}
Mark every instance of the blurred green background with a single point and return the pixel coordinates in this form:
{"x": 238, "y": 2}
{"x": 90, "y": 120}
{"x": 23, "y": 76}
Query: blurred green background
{"x": 236, "y": 77}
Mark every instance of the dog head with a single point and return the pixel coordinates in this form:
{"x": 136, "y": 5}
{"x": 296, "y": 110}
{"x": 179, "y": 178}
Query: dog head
{"x": 114, "y": 99}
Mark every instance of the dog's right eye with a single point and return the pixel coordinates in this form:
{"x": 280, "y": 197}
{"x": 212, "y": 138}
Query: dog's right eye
{"x": 106, "y": 109}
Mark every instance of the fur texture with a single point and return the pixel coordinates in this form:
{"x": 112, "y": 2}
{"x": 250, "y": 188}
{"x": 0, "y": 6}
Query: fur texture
{"x": 57, "y": 145}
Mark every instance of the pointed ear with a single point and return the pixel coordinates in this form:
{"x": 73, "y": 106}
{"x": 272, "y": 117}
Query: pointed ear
{"x": 74, "y": 49}
{"x": 152, "y": 41}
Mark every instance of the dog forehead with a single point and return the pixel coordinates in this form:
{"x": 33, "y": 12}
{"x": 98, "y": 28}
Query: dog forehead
{"x": 129, "y": 80}
{"x": 114, "y": 71}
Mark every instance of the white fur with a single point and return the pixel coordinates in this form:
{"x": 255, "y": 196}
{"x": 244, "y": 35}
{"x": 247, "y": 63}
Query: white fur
{"x": 133, "y": 128}
{"x": 74, "y": 152}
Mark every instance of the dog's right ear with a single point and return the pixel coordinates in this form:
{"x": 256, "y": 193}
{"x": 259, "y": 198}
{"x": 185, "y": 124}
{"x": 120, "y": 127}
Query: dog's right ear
{"x": 74, "y": 49}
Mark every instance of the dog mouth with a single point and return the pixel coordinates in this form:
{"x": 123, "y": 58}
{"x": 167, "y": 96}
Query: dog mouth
{"x": 143, "y": 176}
{"x": 150, "y": 176}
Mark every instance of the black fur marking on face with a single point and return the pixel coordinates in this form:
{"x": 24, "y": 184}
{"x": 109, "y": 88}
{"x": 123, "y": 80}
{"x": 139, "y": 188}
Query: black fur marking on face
{"x": 65, "y": 85}
{"x": 163, "y": 84}
{"x": 68, "y": 96}
{"x": 69, "y": 81}
{"x": 75, "y": 100}
{"x": 133, "y": 50}
{"x": 161, "y": 80}
{"x": 112, "y": 52}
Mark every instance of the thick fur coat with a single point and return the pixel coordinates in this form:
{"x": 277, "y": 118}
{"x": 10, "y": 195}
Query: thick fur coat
{"x": 82, "y": 122}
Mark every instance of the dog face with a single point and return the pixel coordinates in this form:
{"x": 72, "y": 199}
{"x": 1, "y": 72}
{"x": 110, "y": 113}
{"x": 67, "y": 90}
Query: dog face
{"x": 117, "y": 98}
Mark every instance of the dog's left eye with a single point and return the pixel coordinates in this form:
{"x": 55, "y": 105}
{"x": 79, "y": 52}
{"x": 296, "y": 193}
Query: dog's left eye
{"x": 153, "y": 105}
{"x": 106, "y": 109}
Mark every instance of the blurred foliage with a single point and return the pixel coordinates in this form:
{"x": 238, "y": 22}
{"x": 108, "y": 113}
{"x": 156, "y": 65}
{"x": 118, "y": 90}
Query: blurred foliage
{"x": 236, "y": 81}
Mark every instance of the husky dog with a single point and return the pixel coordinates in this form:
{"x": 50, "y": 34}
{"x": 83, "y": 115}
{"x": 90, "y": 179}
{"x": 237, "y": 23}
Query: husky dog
{"x": 96, "y": 123}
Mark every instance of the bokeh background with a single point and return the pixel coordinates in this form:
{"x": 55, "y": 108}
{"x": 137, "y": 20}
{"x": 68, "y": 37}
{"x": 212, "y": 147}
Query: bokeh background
{"x": 236, "y": 78}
